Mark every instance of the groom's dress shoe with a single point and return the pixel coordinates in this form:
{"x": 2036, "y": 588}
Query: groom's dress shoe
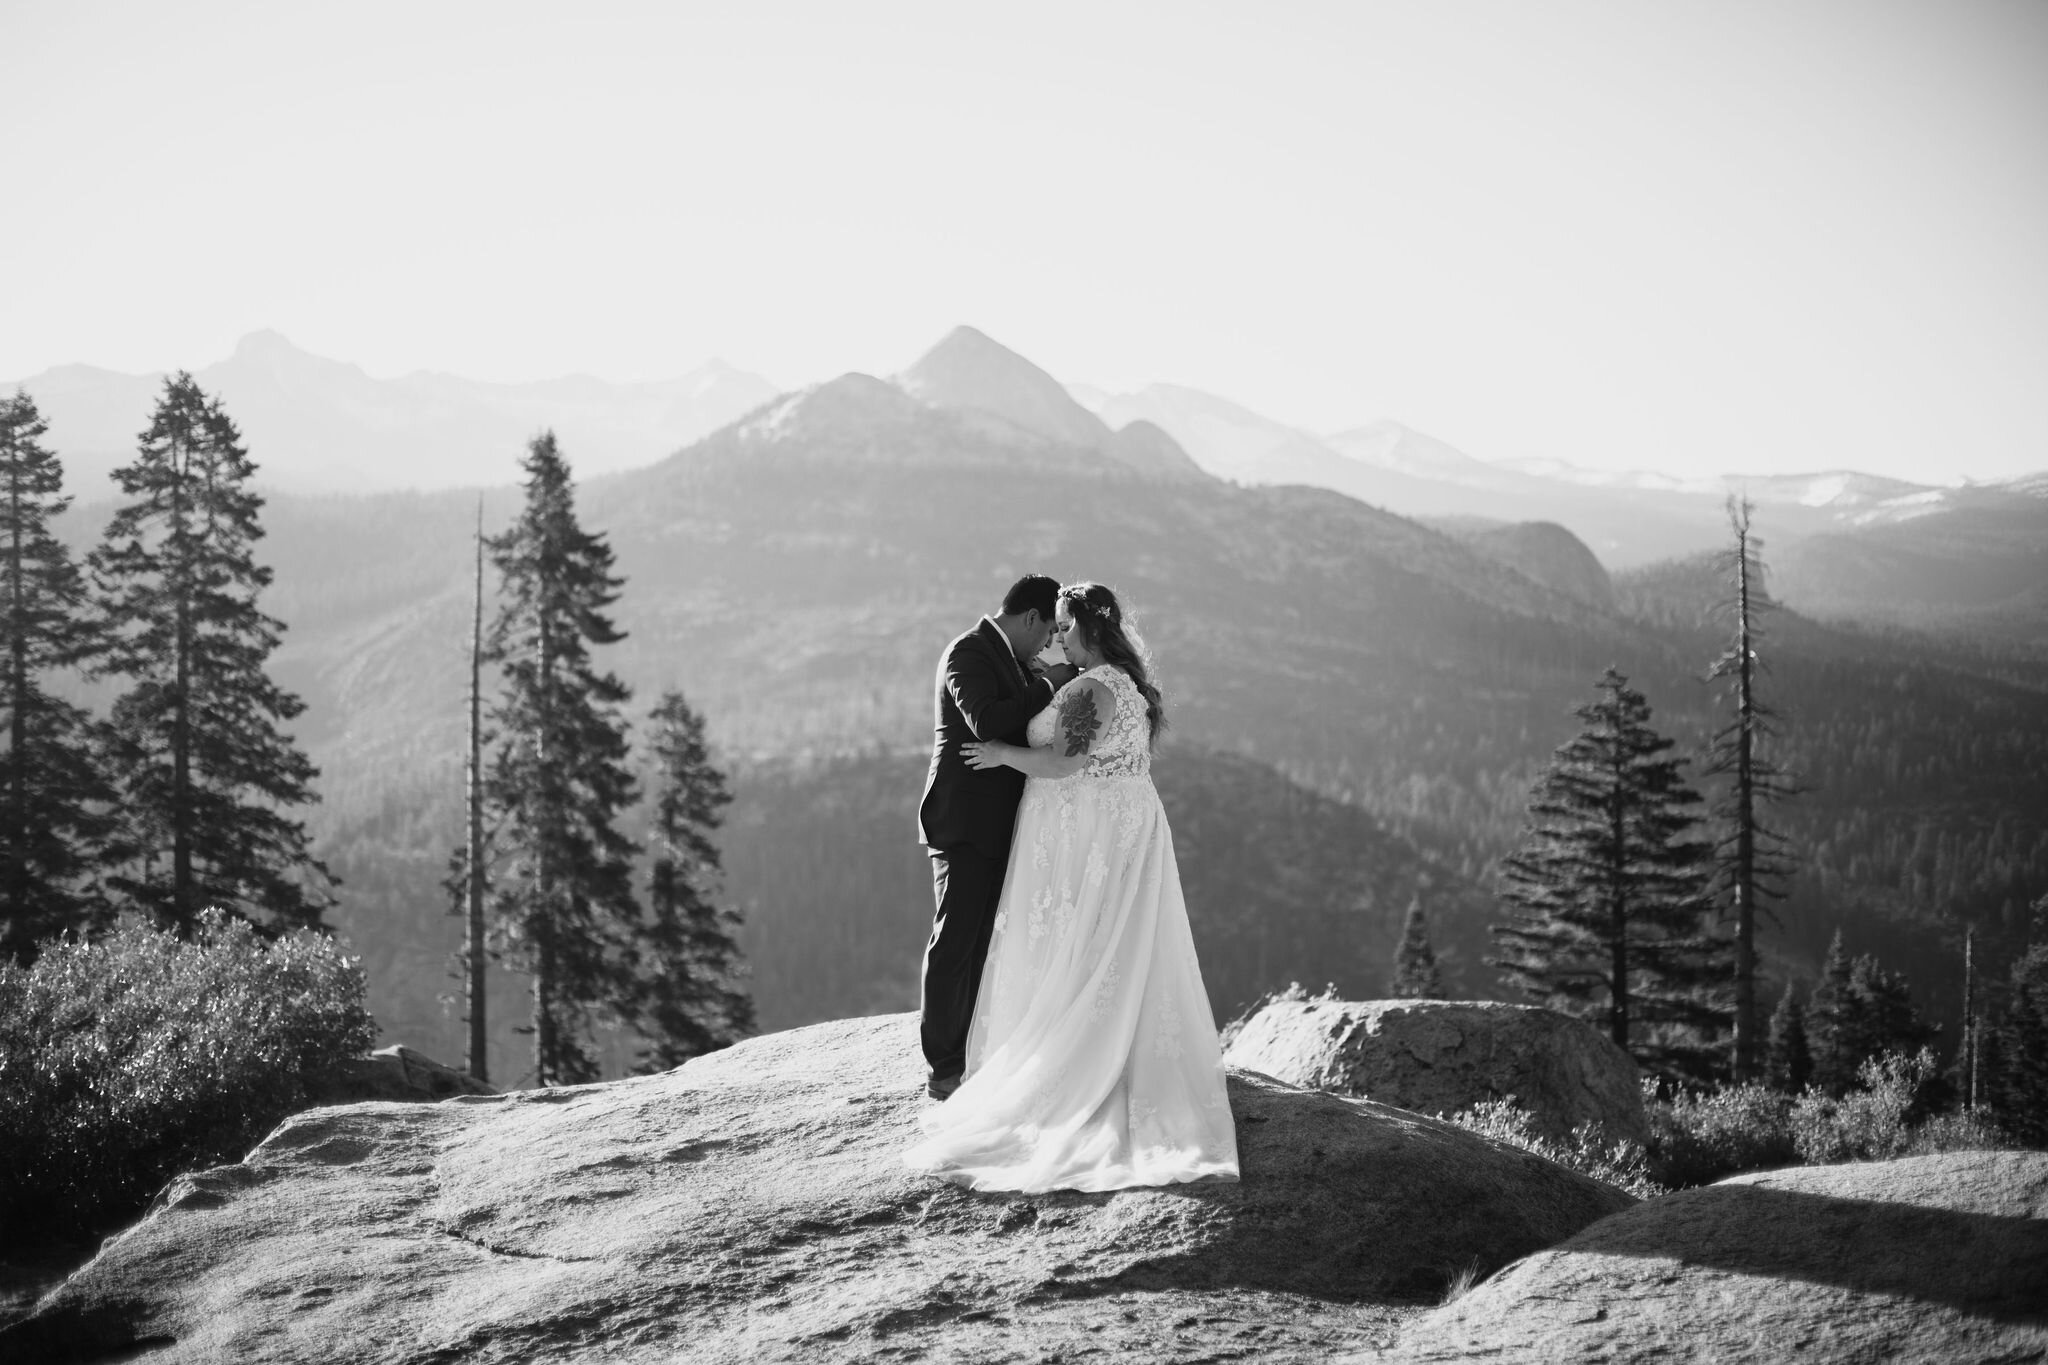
{"x": 941, "y": 1087}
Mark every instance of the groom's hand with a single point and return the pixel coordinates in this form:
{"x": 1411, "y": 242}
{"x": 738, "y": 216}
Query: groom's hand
{"x": 1059, "y": 675}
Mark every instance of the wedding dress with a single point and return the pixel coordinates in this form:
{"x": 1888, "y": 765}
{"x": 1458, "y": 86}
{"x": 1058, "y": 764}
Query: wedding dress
{"x": 1092, "y": 1060}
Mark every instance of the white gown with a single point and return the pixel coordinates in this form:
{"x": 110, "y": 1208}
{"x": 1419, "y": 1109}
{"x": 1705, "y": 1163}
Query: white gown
{"x": 1092, "y": 1060}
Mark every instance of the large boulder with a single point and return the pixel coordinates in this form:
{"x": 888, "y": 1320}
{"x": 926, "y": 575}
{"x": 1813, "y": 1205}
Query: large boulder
{"x": 1441, "y": 1056}
{"x": 752, "y": 1205}
{"x": 1927, "y": 1258}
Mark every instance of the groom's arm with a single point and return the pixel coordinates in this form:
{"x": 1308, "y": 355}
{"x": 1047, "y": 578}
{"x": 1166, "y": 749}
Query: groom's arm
{"x": 975, "y": 682}
{"x": 1083, "y": 714}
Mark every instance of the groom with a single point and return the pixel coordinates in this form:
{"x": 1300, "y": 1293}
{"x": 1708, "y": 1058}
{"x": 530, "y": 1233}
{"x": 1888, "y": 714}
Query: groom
{"x": 989, "y": 687}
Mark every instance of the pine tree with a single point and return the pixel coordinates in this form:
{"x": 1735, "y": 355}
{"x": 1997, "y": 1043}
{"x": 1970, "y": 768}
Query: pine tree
{"x": 1750, "y": 861}
{"x": 1415, "y": 971}
{"x": 204, "y": 772}
{"x": 1788, "y": 1064}
{"x": 1859, "y": 1011}
{"x": 559, "y": 775}
{"x": 1884, "y": 1004}
{"x": 53, "y": 801}
{"x": 1833, "y": 1024}
{"x": 690, "y": 997}
{"x": 2017, "y": 1051}
{"x": 1608, "y": 891}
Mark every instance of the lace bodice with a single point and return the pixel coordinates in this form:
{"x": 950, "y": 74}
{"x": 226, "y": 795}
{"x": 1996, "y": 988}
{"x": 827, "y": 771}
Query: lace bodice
{"x": 1124, "y": 748}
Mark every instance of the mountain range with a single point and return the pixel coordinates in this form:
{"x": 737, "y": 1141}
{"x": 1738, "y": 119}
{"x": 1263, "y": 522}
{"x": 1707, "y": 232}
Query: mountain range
{"x": 1358, "y": 699}
{"x": 319, "y": 425}
{"x": 1628, "y": 519}
{"x": 1844, "y": 545}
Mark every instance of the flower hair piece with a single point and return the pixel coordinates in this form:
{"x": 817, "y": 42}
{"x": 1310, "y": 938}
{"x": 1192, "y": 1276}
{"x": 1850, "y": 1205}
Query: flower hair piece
{"x": 1101, "y": 611}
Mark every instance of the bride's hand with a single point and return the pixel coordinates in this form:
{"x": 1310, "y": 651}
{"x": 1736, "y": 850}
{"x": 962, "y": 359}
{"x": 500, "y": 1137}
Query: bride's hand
{"x": 980, "y": 755}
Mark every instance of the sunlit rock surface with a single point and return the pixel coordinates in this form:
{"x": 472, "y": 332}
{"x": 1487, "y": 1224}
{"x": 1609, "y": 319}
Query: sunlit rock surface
{"x": 751, "y": 1206}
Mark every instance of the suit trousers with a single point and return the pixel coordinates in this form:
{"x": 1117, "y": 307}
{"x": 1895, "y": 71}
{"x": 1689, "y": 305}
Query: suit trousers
{"x": 967, "y": 883}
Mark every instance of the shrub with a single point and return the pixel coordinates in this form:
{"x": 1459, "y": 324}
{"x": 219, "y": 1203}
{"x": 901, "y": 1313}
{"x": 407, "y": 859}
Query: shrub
{"x": 1961, "y": 1131}
{"x": 1620, "y": 1162}
{"x": 1870, "y": 1123}
{"x": 130, "y": 1058}
{"x": 1698, "y": 1139}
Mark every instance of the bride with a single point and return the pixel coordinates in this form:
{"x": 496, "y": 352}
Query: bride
{"x": 1092, "y": 1060}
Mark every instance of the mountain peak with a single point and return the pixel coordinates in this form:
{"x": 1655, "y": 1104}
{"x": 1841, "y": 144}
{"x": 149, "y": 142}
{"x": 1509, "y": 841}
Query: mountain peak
{"x": 970, "y": 370}
{"x": 264, "y": 343}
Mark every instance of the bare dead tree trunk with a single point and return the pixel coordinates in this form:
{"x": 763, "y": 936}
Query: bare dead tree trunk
{"x": 1747, "y": 1052}
{"x": 479, "y": 1063}
{"x": 1970, "y": 1018}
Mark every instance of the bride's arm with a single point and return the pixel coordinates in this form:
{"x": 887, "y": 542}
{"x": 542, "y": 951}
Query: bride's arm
{"x": 1083, "y": 714}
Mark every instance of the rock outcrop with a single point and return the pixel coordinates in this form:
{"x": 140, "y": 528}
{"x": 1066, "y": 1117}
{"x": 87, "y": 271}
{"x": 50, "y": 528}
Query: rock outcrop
{"x": 1927, "y": 1258}
{"x": 1440, "y": 1056}
{"x": 398, "y": 1073}
{"x": 752, "y": 1206}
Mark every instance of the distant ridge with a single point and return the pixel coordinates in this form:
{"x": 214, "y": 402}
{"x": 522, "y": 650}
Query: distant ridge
{"x": 969, "y": 401}
{"x": 317, "y": 425}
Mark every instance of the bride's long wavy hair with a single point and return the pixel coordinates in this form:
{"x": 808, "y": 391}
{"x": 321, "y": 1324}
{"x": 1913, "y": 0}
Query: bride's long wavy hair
{"x": 1100, "y": 619}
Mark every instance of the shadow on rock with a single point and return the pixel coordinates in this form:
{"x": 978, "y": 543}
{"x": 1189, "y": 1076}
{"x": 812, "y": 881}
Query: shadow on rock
{"x": 1985, "y": 1264}
{"x": 1936, "y": 1257}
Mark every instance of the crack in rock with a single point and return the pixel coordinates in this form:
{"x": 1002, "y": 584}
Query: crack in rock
{"x": 496, "y": 1250}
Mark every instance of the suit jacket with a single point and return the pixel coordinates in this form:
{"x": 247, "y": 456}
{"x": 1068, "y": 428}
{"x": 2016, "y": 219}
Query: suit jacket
{"x": 983, "y": 692}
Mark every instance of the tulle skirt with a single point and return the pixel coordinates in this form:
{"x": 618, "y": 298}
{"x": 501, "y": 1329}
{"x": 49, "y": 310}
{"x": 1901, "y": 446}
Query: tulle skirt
{"x": 1092, "y": 1059}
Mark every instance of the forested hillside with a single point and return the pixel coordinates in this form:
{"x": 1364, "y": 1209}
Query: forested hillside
{"x": 1350, "y": 693}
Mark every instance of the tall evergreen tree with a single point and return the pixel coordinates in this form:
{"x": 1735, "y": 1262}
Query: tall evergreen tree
{"x": 2019, "y": 1055}
{"x": 205, "y": 774}
{"x": 691, "y": 997}
{"x": 1884, "y": 999}
{"x": 1834, "y": 1025}
{"x": 1416, "y": 975}
{"x": 53, "y": 801}
{"x": 1859, "y": 1011}
{"x": 559, "y": 775}
{"x": 1608, "y": 891}
{"x": 1788, "y": 1064}
{"x": 1750, "y": 860}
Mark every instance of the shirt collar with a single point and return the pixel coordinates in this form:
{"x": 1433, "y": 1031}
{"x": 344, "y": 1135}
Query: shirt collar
{"x": 1004, "y": 636}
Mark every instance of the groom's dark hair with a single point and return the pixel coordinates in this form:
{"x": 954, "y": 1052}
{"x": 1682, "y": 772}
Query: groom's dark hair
{"x": 1032, "y": 592}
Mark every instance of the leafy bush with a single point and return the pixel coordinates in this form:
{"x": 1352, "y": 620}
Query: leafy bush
{"x": 130, "y": 1058}
{"x": 1698, "y": 1139}
{"x": 1872, "y": 1122}
{"x": 1620, "y": 1162}
{"x": 1960, "y": 1131}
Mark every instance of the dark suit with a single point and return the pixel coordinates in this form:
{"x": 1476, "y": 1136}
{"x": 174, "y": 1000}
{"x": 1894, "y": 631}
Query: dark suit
{"x": 966, "y": 818}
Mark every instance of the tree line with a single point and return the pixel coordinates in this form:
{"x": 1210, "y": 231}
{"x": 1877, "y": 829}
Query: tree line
{"x": 182, "y": 795}
{"x": 1634, "y": 901}
{"x": 178, "y": 797}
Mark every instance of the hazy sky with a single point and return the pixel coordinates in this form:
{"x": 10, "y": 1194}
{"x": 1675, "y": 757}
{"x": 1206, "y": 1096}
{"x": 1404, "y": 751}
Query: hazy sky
{"x": 1769, "y": 236}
